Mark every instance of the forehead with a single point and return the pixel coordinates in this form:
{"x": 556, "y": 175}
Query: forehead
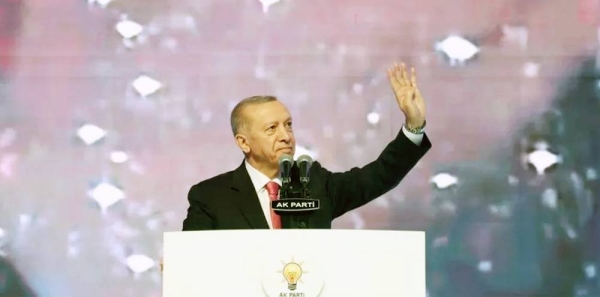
{"x": 268, "y": 112}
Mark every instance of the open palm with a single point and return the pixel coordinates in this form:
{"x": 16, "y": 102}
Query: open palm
{"x": 407, "y": 94}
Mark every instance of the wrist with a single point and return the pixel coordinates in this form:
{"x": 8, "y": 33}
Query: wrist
{"x": 415, "y": 128}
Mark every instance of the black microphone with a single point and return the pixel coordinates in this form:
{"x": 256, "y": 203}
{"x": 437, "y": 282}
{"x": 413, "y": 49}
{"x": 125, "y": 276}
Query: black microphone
{"x": 304, "y": 162}
{"x": 285, "y": 168}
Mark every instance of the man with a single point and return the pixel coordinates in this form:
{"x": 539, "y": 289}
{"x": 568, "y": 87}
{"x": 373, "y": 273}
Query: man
{"x": 262, "y": 126}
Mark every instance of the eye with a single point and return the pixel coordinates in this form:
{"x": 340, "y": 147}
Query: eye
{"x": 289, "y": 124}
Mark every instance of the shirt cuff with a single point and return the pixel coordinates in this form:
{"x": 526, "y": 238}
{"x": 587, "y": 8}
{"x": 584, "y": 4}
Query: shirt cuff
{"x": 415, "y": 138}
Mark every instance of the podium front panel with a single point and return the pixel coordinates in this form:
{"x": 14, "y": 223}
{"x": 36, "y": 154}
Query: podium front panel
{"x": 294, "y": 263}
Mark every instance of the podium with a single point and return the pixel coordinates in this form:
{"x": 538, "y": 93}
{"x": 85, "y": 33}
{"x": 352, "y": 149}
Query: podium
{"x": 294, "y": 263}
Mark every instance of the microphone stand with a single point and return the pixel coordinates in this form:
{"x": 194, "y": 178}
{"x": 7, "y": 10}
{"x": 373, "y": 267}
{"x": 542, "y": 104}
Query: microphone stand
{"x": 302, "y": 218}
{"x": 297, "y": 221}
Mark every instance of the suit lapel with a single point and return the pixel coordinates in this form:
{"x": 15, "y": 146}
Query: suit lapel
{"x": 247, "y": 200}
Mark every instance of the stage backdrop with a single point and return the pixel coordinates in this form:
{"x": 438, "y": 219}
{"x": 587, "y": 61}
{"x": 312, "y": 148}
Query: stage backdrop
{"x": 111, "y": 110}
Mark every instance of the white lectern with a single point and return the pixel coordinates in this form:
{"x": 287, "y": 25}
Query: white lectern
{"x": 294, "y": 263}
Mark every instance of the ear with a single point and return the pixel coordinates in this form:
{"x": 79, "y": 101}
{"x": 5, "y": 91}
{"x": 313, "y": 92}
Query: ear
{"x": 242, "y": 142}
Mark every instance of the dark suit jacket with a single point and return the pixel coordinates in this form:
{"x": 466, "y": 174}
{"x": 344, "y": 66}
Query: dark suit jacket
{"x": 229, "y": 201}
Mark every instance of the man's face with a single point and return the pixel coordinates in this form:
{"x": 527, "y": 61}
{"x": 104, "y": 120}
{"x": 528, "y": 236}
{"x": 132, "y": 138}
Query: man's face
{"x": 268, "y": 133}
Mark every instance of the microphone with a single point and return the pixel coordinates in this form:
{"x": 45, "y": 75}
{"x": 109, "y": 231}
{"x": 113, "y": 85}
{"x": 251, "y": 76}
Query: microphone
{"x": 304, "y": 162}
{"x": 285, "y": 168}
{"x": 295, "y": 205}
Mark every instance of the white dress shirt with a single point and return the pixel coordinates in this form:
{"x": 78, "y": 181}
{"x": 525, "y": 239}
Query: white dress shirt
{"x": 259, "y": 180}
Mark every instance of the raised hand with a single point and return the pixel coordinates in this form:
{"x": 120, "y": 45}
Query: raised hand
{"x": 407, "y": 93}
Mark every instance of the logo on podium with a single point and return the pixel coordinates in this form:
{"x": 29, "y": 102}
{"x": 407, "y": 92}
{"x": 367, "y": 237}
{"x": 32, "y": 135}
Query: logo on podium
{"x": 292, "y": 272}
{"x": 296, "y": 281}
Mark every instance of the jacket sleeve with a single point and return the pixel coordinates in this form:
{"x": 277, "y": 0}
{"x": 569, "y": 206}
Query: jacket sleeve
{"x": 359, "y": 186}
{"x": 199, "y": 215}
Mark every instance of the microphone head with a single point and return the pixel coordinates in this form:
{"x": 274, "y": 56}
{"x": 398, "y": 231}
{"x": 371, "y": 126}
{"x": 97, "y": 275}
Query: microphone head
{"x": 305, "y": 158}
{"x": 285, "y": 166}
{"x": 285, "y": 158}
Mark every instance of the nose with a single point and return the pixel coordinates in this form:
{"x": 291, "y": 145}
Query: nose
{"x": 285, "y": 135}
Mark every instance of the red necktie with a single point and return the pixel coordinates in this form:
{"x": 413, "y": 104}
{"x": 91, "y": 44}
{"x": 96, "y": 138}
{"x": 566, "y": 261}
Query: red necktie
{"x": 273, "y": 189}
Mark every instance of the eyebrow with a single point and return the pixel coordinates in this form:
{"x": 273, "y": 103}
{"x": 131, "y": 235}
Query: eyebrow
{"x": 275, "y": 122}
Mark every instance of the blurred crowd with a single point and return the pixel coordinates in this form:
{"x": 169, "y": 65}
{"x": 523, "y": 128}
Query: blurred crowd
{"x": 526, "y": 221}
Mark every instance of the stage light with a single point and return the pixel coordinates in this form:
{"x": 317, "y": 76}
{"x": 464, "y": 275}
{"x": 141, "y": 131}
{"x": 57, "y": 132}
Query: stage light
{"x": 485, "y": 266}
{"x": 3, "y": 242}
{"x": 139, "y": 263}
{"x": 106, "y": 195}
{"x": 25, "y": 221}
{"x": 515, "y": 34}
{"x": 542, "y": 159}
{"x": 3, "y": 237}
{"x": 146, "y": 85}
{"x": 373, "y": 118}
{"x": 513, "y": 180}
{"x": 128, "y": 29}
{"x": 550, "y": 198}
{"x": 590, "y": 270}
{"x": 444, "y": 180}
{"x": 500, "y": 210}
{"x": 102, "y": 3}
{"x": 457, "y": 49}
{"x": 591, "y": 174}
{"x": 119, "y": 157}
{"x": 571, "y": 233}
{"x": 531, "y": 69}
{"x": 90, "y": 133}
{"x": 267, "y": 3}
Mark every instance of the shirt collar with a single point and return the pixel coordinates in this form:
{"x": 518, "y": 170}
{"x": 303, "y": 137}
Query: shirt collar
{"x": 259, "y": 180}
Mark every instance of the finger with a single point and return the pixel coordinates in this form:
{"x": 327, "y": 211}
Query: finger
{"x": 398, "y": 74}
{"x": 413, "y": 78}
{"x": 404, "y": 75}
{"x": 392, "y": 77}
{"x": 392, "y": 73}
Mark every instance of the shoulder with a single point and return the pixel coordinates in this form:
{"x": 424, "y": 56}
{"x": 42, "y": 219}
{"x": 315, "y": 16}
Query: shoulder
{"x": 211, "y": 184}
{"x": 317, "y": 169}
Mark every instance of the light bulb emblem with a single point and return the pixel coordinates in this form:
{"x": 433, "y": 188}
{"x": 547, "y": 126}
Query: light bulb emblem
{"x": 292, "y": 273}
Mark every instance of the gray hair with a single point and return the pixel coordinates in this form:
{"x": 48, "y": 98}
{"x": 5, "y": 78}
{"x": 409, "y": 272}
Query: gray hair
{"x": 238, "y": 120}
